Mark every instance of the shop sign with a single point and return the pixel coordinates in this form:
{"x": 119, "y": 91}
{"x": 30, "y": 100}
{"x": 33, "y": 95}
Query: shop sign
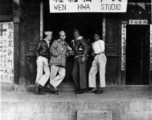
{"x": 123, "y": 47}
{"x": 150, "y": 47}
{"x": 66, "y": 6}
{"x": 138, "y": 22}
{"x": 7, "y": 52}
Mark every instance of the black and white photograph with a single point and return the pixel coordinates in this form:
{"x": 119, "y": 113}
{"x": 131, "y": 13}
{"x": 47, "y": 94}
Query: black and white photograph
{"x": 75, "y": 59}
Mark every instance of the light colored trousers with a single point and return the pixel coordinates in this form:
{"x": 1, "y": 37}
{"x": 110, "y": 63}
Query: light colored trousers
{"x": 99, "y": 63}
{"x": 42, "y": 65}
{"x": 56, "y": 80}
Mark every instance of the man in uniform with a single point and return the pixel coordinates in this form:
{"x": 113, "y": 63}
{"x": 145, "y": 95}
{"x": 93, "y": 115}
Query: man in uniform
{"x": 42, "y": 53}
{"x": 59, "y": 52}
{"x": 80, "y": 49}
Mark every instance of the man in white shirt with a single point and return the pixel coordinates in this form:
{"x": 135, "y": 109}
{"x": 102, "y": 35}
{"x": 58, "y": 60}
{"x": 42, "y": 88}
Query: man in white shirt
{"x": 99, "y": 63}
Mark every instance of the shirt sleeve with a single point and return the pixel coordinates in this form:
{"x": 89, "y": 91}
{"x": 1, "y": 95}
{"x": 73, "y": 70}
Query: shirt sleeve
{"x": 37, "y": 49}
{"x": 85, "y": 47}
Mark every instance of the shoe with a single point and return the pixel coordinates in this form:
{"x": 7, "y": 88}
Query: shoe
{"x": 99, "y": 91}
{"x": 93, "y": 90}
{"x": 56, "y": 92}
{"x": 77, "y": 91}
{"x": 51, "y": 91}
{"x": 48, "y": 86}
{"x": 39, "y": 90}
{"x": 51, "y": 87}
{"x": 80, "y": 91}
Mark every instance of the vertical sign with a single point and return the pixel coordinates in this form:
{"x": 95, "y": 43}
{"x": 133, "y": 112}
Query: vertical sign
{"x": 6, "y": 52}
{"x": 123, "y": 47}
{"x": 150, "y": 47}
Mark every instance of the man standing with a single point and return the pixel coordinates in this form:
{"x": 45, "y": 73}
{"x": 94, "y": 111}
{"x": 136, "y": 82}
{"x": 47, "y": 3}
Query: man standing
{"x": 42, "y": 53}
{"x": 99, "y": 63}
{"x": 59, "y": 53}
{"x": 80, "y": 49}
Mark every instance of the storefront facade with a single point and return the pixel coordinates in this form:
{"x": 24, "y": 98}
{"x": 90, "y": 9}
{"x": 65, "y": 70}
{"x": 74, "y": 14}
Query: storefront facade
{"x": 127, "y": 36}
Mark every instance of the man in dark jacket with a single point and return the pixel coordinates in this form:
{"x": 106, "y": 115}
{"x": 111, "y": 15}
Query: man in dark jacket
{"x": 42, "y": 53}
{"x": 80, "y": 49}
{"x": 57, "y": 62}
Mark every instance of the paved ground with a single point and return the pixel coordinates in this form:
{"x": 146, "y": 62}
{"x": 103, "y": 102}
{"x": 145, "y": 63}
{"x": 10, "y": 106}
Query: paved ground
{"x": 7, "y": 96}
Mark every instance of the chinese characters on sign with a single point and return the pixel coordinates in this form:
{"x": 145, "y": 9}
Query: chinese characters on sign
{"x": 123, "y": 47}
{"x": 150, "y": 47}
{"x": 6, "y": 52}
{"x": 138, "y": 22}
{"x": 61, "y": 6}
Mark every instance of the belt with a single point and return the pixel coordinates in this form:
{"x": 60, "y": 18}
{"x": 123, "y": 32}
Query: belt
{"x": 100, "y": 53}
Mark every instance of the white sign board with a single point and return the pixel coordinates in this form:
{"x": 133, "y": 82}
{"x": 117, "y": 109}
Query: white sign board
{"x": 7, "y": 52}
{"x": 150, "y": 47}
{"x": 65, "y": 6}
{"x": 138, "y": 22}
{"x": 123, "y": 47}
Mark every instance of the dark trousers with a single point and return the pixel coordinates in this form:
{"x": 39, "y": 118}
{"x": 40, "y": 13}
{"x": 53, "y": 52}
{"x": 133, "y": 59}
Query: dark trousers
{"x": 79, "y": 74}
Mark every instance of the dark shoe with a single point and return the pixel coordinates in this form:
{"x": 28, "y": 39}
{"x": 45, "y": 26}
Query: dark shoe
{"x": 51, "y": 87}
{"x": 39, "y": 90}
{"x": 93, "y": 90}
{"x": 56, "y": 92}
{"x": 99, "y": 91}
{"x": 77, "y": 91}
{"x": 51, "y": 91}
{"x": 81, "y": 91}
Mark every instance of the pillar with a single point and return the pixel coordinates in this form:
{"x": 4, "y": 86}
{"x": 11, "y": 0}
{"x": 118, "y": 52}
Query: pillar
{"x": 41, "y": 20}
{"x": 16, "y": 20}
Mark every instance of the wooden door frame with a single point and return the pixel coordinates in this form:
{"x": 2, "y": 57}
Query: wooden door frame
{"x": 123, "y": 51}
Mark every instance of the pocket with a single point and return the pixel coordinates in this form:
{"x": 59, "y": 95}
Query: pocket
{"x": 59, "y": 57}
{"x": 102, "y": 58}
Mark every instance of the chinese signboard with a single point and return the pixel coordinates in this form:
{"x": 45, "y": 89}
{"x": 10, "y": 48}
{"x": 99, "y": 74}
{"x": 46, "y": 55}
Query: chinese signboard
{"x": 138, "y": 22}
{"x": 6, "y": 52}
{"x": 123, "y": 47}
{"x": 150, "y": 47}
{"x": 63, "y": 6}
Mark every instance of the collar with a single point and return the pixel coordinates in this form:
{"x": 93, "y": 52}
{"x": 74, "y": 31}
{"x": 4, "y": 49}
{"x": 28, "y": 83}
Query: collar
{"x": 47, "y": 41}
{"x": 59, "y": 40}
{"x": 79, "y": 38}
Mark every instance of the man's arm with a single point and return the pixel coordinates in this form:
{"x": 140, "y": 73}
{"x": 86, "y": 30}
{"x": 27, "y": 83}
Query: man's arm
{"x": 53, "y": 49}
{"x": 85, "y": 47}
{"x": 37, "y": 49}
{"x": 68, "y": 47}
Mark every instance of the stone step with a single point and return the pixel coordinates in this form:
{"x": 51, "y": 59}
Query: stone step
{"x": 78, "y": 110}
{"x": 70, "y": 87}
{"x": 94, "y": 115}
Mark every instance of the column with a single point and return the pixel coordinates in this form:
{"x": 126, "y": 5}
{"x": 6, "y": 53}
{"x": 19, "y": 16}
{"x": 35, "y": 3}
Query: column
{"x": 41, "y": 20}
{"x": 16, "y": 21}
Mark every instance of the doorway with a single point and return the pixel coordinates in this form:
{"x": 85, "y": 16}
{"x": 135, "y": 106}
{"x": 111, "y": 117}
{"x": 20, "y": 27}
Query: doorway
{"x": 137, "y": 54}
{"x": 86, "y": 23}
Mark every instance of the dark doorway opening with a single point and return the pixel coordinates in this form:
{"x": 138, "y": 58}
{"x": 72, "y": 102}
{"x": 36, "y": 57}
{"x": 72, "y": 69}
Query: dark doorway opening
{"x": 86, "y": 23}
{"x": 137, "y": 54}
